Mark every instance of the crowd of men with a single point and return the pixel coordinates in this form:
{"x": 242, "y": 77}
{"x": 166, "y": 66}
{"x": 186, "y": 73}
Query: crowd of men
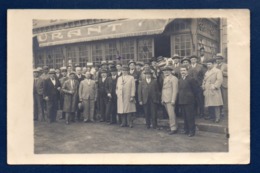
{"x": 116, "y": 93}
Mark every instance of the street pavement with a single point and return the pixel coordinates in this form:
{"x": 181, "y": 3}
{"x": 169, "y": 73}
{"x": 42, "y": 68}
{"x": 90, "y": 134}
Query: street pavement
{"x": 79, "y": 137}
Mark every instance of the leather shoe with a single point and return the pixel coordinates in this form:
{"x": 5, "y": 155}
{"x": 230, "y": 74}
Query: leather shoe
{"x": 172, "y": 132}
{"x": 191, "y": 135}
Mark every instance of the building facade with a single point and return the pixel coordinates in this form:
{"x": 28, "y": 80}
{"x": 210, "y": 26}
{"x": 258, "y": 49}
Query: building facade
{"x": 82, "y": 41}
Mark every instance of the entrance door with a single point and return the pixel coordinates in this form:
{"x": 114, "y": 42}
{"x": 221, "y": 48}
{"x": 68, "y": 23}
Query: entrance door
{"x": 162, "y": 46}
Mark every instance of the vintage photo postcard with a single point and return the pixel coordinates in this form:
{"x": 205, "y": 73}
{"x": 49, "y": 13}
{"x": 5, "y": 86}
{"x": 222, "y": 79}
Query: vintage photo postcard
{"x": 128, "y": 87}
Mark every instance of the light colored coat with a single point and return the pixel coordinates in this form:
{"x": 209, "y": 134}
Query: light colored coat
{"x": 170, "y": 89}
{"x": 125, "y": 89}
{"x": 87, "y": 90}
{"x": 211, "y": 86}
{"x": 223, "y": 68}
{"x": 70, "y": 100}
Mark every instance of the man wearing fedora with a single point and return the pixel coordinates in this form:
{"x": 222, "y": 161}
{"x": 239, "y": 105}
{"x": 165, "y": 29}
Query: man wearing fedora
{"x": 37, "y": 96}
{"x": 103, "y": 86}
{"x": 111, "y": 111}
{"x": 197, "y": 72}
{"x": 224, "y": 87}
{"x": 88, "y": 97}
{"x": 70, "y": 96}
{"x": 211, "y": 86}
{"x": 148, "y": 96}
{"x": 136, "y": 75}
{"x": 169, "y": 95}
{"x": 125, "y": 91}
{"x": 51, "y": 90}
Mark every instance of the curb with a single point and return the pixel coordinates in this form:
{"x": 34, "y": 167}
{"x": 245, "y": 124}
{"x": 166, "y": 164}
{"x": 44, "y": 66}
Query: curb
{"x": 207, "y": 127}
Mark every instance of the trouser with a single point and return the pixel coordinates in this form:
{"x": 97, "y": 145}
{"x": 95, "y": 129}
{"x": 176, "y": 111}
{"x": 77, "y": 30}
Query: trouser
{"x": 224, "y": 92}
{"x": 38, "y": 107}
{"x": 89, "y": 107}
{"x": 102, "y": 103}
{"x": 214, "y": 112}
{"x": 111, "y": 111}
{"x": 172, "y": 116}
{"x": 61, "y": 105}
{"x": 52, "y": 109}
{"x": 127, "y": 119}
{"x": 200, "y": 103}
{"x": 150, "y": 112}
{"x": 189, "y": 118}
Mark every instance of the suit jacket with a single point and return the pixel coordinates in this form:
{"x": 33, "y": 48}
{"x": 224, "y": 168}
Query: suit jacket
{"x": 38, "y": 86}
{"x": 150, "y": 90}
{"x": 170, "y": 89}
{"x": 88, "y": 90}
{"x": 223, "y": 68}
{"x": 197, "y": 73}
{"x": 104, "y": 87}
{"x": 188, "y": 89}
{"x": 79, "y": 79}
{"x": 50, "y": 90}
{"x": 176, "y": 70}
{"x": 112, "y": 87}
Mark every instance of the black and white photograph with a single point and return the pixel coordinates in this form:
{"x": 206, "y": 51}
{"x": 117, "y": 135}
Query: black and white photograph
{"x": 130, "y": 85}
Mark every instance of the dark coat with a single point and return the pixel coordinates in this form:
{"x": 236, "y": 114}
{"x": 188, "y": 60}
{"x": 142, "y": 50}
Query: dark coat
{"x": 146, "y": 90}
{"x": 187, "y": 90}
{"x": 51, "y": 91}
{"x": 70, "y": 100}
{"x": 197, "y": 73}
{"x": 112, "y": 88}
{"x": 104, "y": 88}
{"x": 79, "y": 79}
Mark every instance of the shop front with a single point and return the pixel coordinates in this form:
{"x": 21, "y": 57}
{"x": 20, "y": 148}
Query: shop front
{"x": 124, "y": 40}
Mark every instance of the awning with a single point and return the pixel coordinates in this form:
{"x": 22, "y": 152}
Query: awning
{"x": 109, "y": 30}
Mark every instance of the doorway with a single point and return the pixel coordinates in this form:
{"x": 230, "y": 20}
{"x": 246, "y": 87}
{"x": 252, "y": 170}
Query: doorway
{"x": 162, "y": 46}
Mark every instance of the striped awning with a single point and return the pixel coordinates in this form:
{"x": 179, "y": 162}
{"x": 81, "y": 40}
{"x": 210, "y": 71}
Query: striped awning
{"x": 109, "y": 30}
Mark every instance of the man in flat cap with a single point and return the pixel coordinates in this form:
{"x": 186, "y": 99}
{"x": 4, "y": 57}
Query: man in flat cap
{"x": 224, "y": 87}
{"x": 62, "y": 81}
{"x": 169, "y": 95}
{"x": 70, "y": 90}
{"x": 51, "y": 90}
{"x": 38, "y": 96}
{"x": 125, "y": 91}
{"x": 148, "y": 96}
{"x": 212, "y": 90}
{"x": 197, "y": 72}
{"x": 136, "y": 76}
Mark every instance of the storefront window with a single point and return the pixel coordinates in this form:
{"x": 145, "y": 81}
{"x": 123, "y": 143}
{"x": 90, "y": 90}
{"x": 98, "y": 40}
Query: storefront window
{"x": 58, "y": 57}
{"x": 210, "y": 46}
{"x": 145, "y": 49}
{"x": 97, "y": 52}
{"x": 39, "y": 59}
{"x": 181, "y": 44}
{"x": 71, "y": 54}
{"x": 50, "y": 59}
{"x": 110, "y": 51}
{"x": 127, "y": 50}
{"x": 83, "y": 55}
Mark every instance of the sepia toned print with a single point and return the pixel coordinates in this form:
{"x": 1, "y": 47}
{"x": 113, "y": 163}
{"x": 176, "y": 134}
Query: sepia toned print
{"x": 123, "y": 85}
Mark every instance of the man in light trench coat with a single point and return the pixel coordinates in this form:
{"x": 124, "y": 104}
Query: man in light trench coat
{"x": 125, "y": 91}
{"x": 211, "y": 89}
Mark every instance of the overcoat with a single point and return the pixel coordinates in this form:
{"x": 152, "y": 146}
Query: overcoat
{"x": 211, "y": 85}
{"x": 70, "y": 100}
{"x": 125, "y": 89}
